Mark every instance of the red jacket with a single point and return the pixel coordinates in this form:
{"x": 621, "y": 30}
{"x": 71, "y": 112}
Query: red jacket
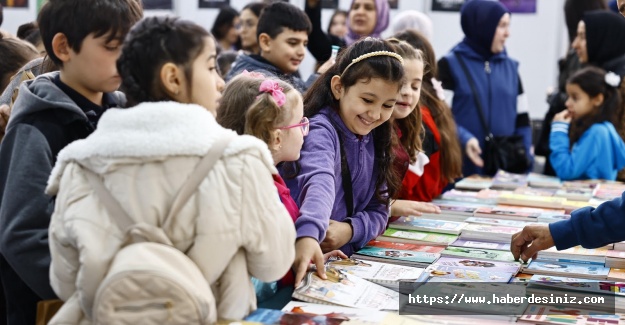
{"x": 431, "y": 184}
{"x": 285, "y": 196}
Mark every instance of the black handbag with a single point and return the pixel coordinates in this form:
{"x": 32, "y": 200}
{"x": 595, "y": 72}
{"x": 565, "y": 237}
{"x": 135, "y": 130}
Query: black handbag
{"x": 499, "y": 152}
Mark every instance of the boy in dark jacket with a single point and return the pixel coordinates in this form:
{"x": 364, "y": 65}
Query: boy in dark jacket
{"x": 282, "y": 34}
{"x": 84, "y": 39}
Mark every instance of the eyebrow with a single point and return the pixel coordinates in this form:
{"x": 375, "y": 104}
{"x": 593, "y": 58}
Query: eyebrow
{"x": 211, "y": 57}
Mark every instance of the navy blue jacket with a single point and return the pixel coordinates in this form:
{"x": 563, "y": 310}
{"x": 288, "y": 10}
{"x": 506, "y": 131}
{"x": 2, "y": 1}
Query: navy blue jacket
{"x": 498, "y": 85}
{"x": 256, "y": 63}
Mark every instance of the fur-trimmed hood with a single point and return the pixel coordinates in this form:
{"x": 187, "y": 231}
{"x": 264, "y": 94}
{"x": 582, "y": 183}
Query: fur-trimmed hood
{"x": 152, "y": 131}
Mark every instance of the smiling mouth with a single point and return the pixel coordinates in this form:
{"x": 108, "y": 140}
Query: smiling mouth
{"x": 402, "y": 104}
{"x": 365, "y": 122}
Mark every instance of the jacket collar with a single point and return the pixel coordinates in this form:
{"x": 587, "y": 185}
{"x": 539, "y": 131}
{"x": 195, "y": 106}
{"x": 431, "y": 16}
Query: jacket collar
{"x": 153, "y": 130}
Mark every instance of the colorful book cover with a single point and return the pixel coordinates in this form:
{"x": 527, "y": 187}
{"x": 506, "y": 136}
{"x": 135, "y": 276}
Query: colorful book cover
{"x": 346, "y": 290}
{"x": 497, "y": 222}
{"x": 439, "y": 273}
{"x": 577, "y": 284}
{"x": 506, "y": 180}
{"x": 356, "y": 316}
{"x": 580, "y": 270}
{"x": 419, "y": 236}
{"x": 488, "y": 231}
{"x": 535, "y": 191}
{"x": 405, "y": 246}
{"x": 393, "y": 254}
{"x": 474, "y": 182}
{"x": 498, "y": 246}
{"x": 382, "y": 273}
{"x": 418, "y": 223}
{"x": 575, "y": 254}
{"x": 532, "y": 201}
{"x": 498, "y": 212}
{"x": 544, "y": 181}
{"x": 542, "y": 314}
{"x": 575, "y": 194}
{"x": 491, "y": 266}
{"x": 456, "y": 209}
{"x": 481, "y": 254}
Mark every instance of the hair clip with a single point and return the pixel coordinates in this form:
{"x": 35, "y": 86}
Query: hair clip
{"x": 613, "y": 79}
{"x": 272, "y": 87}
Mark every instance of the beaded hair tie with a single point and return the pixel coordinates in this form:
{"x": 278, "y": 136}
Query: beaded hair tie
{"x": 372, "y": 54}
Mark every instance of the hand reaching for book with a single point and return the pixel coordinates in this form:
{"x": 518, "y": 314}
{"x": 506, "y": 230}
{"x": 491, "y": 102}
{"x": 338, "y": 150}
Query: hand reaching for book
{"x": 474, "y": 151}
{"x": 405, "y": 208}
{"x": 307, "y": 249}
{"x": 529, "y": 241}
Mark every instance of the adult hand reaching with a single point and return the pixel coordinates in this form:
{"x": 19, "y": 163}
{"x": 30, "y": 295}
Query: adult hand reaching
{"x": 529, "y": 241}
{"x": 474, "y": 151}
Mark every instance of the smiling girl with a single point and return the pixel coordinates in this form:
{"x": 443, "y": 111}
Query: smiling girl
{"x": 343, "y": 180}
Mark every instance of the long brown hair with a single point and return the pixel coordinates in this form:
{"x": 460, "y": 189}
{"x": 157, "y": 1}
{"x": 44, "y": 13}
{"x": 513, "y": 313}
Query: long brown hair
{"x": 384, "y": 67}
{"x": 451, "y": 153}
{"x": 411, "y": 127}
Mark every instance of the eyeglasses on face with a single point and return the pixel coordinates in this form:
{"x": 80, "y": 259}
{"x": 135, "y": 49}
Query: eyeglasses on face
{"x": 304, "y": 124}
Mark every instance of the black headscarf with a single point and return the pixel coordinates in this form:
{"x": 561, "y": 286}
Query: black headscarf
{"x": 605, "y": 36}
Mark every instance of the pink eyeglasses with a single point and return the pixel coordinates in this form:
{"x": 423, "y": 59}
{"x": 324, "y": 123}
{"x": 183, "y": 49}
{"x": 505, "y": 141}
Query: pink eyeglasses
{"x": 304, "y": 124}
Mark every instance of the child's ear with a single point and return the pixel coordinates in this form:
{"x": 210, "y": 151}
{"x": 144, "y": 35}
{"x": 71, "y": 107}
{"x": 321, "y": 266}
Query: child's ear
{"x": 276, "y": 142}
{"x": 336, "y": 86}
{"x": 173, "y": 81}
{"x": 598, "y": 100}
{"x": 60, "y": 47}
{"x": 264, "y": 41}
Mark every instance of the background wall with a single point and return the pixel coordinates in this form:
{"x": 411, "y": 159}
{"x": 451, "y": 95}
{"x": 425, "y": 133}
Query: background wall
{"x": 537, "y": 41}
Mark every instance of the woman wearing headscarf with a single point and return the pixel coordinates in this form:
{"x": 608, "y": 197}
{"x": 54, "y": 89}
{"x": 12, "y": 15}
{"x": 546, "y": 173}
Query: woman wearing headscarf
{"x": 574, "y": 11}
{"x": 366, "y": 18}
{"x": 496, "y": 78}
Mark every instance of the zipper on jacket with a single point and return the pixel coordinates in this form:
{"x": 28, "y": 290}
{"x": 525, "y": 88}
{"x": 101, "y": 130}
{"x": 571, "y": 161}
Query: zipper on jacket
{"x": 490, "y": 100}
{"x": 487, "y": 67}
{"x": 138, "y": 308}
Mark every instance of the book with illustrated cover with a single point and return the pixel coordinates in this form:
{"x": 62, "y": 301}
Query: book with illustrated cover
{"x": 439, "y": 273}
{"x": 498, "y": 246}
{"x": 474, "y": 183}
{"x": 549, "y": 218}
{"x": 608, "y": 191}
{"x": 405, "y": 246}
{"x": 410, "y": 258}
{"x": 521, "y": 278}
{"x": 417, "y": 237}
{"x": 532, "y": 201}
{"x": 575, "y": 254}
{"x": 354, "y": 316}
{"x": 508, "y": 181}
{"x": 431, "y": 225}
{"x": 543, "y": 181}
{"x": 488, "y": 232}
{"x": 466, "y": 263}
{"x": 567, "y": 269}
{"x": 543, "y": 314}
{"x": 507, "y": 213}
{"x": 570, "y": 206}
{"x": 376, "y": 272}
{"x": 497, "y": 222}
{"x": 575, "y": 194}
{"x": 347, "y": 290}
{"x": 478, "y": 254}
{"x": 535, "y": 191}
{"x": 577, "y": 284}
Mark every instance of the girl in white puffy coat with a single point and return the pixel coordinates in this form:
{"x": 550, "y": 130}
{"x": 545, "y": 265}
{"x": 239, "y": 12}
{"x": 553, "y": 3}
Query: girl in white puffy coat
{"x": 234, "y": 226}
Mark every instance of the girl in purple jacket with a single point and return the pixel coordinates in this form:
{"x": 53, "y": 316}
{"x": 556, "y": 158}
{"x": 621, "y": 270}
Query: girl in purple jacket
{"x": 344, "y": 178}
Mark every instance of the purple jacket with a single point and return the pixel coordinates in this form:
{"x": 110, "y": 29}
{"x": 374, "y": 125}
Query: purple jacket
{"x": 318, "y": 188}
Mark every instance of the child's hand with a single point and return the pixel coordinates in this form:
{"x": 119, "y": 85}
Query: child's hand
{"x": 412, "y": 208}
{"x": 564, "y": 116}
{"x": 307, "y": 249}
{"x": 334, "y": 253}
{"x": 338, "y": 234}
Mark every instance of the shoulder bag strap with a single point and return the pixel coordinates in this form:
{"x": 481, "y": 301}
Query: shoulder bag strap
{"x": 199, "y": 174}
{"x": 476, "y": 97}
{"x": 346, "y": 175}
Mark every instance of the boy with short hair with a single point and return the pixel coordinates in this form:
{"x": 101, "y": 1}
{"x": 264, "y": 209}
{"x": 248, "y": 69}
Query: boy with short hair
{"x": 282, "y": 33}
{"x": 84, "y": 39}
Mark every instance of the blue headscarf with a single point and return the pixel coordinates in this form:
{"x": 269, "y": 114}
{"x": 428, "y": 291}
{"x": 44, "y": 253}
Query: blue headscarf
{"x": 479, "y": 20}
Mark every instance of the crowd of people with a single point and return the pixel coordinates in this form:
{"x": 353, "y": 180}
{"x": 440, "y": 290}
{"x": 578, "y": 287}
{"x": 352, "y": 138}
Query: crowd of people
{"x": 311, "y": 169}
